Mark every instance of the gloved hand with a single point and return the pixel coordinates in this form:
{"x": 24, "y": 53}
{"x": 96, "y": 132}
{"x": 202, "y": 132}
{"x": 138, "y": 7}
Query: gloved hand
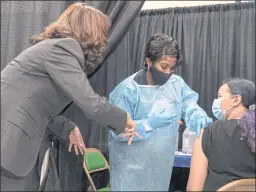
{"x": 206, "y": 122}
{"x": 160, "y": 120}
{"x": 199, "y": 123}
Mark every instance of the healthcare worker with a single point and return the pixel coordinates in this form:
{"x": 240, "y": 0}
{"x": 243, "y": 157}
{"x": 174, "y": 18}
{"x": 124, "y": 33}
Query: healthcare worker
{"x": 156, "y": 99}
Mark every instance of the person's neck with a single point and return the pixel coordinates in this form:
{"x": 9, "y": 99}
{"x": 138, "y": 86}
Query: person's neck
{"x": 237, "y": 113}
{"x": 149, "y": 78}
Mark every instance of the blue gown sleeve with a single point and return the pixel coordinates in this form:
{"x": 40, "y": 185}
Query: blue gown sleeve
{"x": 126, "y": 98}
{"x": 195, "y": 117}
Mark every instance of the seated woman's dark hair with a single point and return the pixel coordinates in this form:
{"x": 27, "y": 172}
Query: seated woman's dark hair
{"x": 160, "y": 45}
{"x": 246, "y": 89}
{"x": 88, "y": 26}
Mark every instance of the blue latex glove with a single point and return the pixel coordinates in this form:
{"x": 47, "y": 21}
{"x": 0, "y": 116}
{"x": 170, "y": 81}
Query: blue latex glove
{"x": 199, "y": 123}
{"x": 160, "y": 120}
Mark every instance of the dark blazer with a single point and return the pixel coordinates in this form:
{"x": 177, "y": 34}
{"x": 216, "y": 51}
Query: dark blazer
{"x": 35, "y": 87}
{"x": 60, "y": 127}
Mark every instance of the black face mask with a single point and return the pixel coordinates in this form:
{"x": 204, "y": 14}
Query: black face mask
{"x": 159, "y": 78}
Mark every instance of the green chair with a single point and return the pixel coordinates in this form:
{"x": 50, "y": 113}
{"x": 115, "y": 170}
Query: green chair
{"x": 94, "y": 161}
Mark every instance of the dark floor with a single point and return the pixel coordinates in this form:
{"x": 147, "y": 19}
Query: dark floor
{"x": 179, "y": 179}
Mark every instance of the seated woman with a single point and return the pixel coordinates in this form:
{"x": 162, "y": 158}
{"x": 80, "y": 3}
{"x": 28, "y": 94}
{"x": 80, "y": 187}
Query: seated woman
{"x": 156, "y": 99}
{"x": 226, "y": 150}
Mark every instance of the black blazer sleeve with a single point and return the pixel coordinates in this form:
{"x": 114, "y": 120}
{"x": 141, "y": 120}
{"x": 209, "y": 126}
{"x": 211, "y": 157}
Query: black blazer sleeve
{"x": 64, "y": 68}
{"x": 61, "y": 126}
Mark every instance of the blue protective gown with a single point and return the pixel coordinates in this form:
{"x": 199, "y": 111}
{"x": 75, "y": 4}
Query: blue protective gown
{"x": 146, "y": 165}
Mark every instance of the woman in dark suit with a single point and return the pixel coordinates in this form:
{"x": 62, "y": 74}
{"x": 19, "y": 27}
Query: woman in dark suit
{"x": 42, "y": 80}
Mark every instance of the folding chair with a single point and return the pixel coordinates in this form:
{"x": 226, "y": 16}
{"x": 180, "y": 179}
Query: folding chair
{"x": 94, "y": 161}
{"x": 240, "y": 185}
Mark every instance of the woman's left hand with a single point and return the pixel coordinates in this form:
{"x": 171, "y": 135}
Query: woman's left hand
{"x": 76, "y": 139}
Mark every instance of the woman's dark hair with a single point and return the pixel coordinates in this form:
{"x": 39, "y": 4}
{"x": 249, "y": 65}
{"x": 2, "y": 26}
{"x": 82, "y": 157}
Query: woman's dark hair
{"x": 160, "y": 45}
{"x": 246, "y": 89}
{"x": 88, "y": 26}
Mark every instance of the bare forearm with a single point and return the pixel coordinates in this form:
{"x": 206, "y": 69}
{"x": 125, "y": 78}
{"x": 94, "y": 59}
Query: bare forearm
{"x": 198, "y": 167}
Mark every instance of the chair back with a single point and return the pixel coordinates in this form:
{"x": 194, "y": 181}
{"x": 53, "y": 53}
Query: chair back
{"x": 94, "y": 161}
{"x": 240, "y": 185}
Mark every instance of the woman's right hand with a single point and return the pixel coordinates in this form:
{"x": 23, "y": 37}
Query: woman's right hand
{"x": 158, "y": 120}
{"x": 130, "y": 130}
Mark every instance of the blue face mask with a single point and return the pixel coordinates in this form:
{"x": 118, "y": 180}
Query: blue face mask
{"x": 219, "y": 113}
